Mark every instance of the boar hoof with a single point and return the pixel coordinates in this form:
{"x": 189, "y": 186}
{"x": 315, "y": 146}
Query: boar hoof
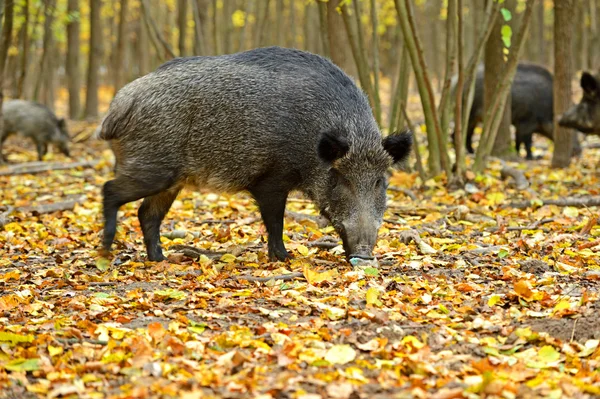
{"x": 279, "y": 255}
{"x": 156, "y": 256}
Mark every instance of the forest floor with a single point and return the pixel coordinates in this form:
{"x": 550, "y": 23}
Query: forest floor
{"x": 490, "y": 297}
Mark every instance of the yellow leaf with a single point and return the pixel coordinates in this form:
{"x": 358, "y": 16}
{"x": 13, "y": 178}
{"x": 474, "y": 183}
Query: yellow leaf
{"x": 562, "y": 305}
{"x": 55, "y": 350}
{"x": 571, "y": 212}
{"x": 302, "y": 250}
{"x": 494, "y": 299}
{"x": 15, "y": 338}
{"x": 314, "y": 277}
{"x": 102, "y": 264}
{"x": 373, "y": 297}
{"x": 228, "y": 258}
{"x": 23, "y": 365}
{"x": 548, "y": 354}
{"x": 340, "y": 354}
{"x": 495, "y": 198}
{"x": 413, "y": 341}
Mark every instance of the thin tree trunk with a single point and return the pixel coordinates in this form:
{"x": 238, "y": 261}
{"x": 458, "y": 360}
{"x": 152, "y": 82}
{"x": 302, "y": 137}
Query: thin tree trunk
{"x": 6, "y": 27}
{"x": 182, "y": 25}
{"x": 493, "y": 115}
{"x": 445, "y": 100}
{"x": 72, "y": 67}
{"x": 95, "y": 57}
{"x": 324, "y": 27}
{"x": 143, "y": 48}
{"x": 261, "y": 22}
{"x": 376, "y": 66}
{"x": 539, "y": 34}
{"x": 337, "y": 40}
{"x": 292, "y": 41}
{"x": 400, "y": 91}
{"x": 120, "y": 55}
{"x": 157, "y": 39}
{"x": 49, "y": 18}
{"x": 437, "y": 149}
{"x": 494, "y": 65}
{"x": 563, "y": 73}
{"x": 594, "y": 41}
{"x": 459, "y": 148}
{"x": 199, "y": 11}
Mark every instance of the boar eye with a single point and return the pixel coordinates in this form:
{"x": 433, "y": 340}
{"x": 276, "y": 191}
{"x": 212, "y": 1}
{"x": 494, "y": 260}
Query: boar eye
{"x": 379, "y": 183}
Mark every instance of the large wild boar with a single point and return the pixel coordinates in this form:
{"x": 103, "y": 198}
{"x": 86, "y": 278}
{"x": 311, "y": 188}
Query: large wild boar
{"x": 268, "y": 121}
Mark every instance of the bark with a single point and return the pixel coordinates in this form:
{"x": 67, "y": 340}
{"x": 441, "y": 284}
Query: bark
{"x": 400, "y": 92}
{"x": 45, "y": 66}
{"x": 445, "y": 100}
{"x": 72, "y": 67}
{"x": 494, "y": 65}
{"x": 493, "y": 115}
{"x": 338, "y": 44}
{"x": 158, "y": 41}
{"x": 563, "y": 73}
{"x": 458, "y": 141}
{"x": 182, "y": 25}
{"x": 94, "y": 59}
{"x": 6, "y": 27}
{"x": 324, "y": 28}
{"x": 120, "y": 54}
{"x": 199, "y": 11}
{"x": 539, "y": 33}
{"x": 143, "y": 48}
{"x": 24, "y": 51}
{"x": 437, "y": 150}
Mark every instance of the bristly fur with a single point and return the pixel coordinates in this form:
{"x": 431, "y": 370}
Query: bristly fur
{"x": 268, "y": 120}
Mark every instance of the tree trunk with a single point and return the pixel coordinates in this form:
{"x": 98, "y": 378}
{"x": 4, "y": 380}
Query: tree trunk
{"x": 494, "y": 65}
{"x": 563, "y": 73}
{"x": 182, "y": 24}
{"x": 338, "y": 44}
{"x": 539, "y": 34}
{"x": 200, "y": 16}
{"x": 143, "y": 48}
{"x": 6, "y": 27}
{"x": 120, "y": 53}
{"x": 95, "y": 57}
{"x": 24, "y": 51}
{"x": 72, "y": 67}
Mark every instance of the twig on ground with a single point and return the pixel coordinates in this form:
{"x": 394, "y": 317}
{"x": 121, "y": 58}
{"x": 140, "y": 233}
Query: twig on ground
{"x": 325, "y": 242}
{"x": 39, "y": 167}
{"x": 582, "y": 202}
{"x": 299, "y": 217}
{"x": 521, "y": 181}
{"x": 102, "y": 283}
{"x": 193, "y": 252}
{"x": 279, "y": 277}
{"x": 79, "y": 341}
{"x": 404, "y": 191}
{"x": 53, "y": 206}
{"x": 534, "y": 226}
{"x": 590, "y": 244}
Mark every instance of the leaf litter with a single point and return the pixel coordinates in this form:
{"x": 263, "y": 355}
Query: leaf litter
{"x": 472, "y": 298}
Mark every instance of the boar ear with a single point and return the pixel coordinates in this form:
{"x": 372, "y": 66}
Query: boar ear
{"x": 398, "y": 145}
{"x": 589, "y": 84}
{"x": 332, "y": 146}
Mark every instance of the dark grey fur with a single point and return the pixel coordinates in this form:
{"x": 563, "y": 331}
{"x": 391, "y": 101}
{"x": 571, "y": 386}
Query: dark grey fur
{"x": 37, "y": 122}
{"x": 585, "y": 116}
{"x": 532, "y": 109}
{"x": 269, "y": 121}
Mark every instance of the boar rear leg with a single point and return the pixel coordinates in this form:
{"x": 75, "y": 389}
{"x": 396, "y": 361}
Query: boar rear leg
{"x": 151, "y": 214}
{"x": 272, "y": 208}
{"x": 119, "y": 192}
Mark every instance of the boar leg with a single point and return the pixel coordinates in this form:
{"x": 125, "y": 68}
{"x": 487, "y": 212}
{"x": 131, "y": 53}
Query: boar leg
{"x": 42, "y": 149}
{"x": 120, "y": 191}
{"x": 151, "y": 214}
{"x": 272, "y": 207}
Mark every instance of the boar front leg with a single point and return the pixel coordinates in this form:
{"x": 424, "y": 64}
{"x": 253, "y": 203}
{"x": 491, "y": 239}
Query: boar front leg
{"x": 271, "y": 202}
